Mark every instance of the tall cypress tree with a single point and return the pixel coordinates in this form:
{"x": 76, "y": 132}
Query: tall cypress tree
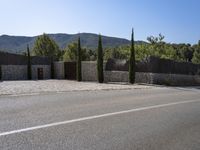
{"x": 100, "y": 74}
{"x": 0, "y": 73}
{"x": 78, "y": 63}
{"x": 29, "y": 75}
{"x": 132, "y": 60}
{"x": 52, "y": 67}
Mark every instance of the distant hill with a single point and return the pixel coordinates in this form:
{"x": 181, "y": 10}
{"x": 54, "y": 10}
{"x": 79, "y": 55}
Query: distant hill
{"x": 17, "y": 44}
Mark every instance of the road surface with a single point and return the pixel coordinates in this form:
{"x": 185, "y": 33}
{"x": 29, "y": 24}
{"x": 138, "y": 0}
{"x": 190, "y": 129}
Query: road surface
{"x": 137, "y": 119}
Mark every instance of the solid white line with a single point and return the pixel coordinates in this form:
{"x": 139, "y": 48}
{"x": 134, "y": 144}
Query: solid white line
{"x": 28, "y": 94}
{"x": 94, "y": 117}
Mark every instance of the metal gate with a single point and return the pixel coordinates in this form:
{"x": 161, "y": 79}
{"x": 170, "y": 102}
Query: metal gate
{"x": 70, "y": 70}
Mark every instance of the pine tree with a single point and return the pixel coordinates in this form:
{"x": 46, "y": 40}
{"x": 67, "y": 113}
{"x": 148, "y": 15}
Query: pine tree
{"x": 132, "y": 61}
{"x": 45, "y": 46}
{"x": 78, "y": 63}
{"x": 100, "y": 74}
{"x": 29, "y": 75}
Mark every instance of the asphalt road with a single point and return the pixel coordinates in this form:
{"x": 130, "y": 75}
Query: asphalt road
{"x": 141, "y": 119}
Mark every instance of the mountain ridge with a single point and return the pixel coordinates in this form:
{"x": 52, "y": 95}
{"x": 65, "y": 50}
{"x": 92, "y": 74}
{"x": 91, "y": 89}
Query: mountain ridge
{"x": 18, "y": 44}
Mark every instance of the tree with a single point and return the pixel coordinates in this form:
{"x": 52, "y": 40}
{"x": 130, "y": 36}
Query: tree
{"x": 70, "y": 53}
{"x": 92, "y": 55}
{"x": 132, "y": 61}
{"x": 196, "y": 55}
{"x": 45, "y": 46}
{"x": 188, "y": 53}
{"x": 52, "y": 68}
{"x": 100, "y": 75}
{"x": 156, "y": 45}
{"x": 78, "y": 64}
{"x": 155, "y": 40}
{"x": 29, "y": 73}
{"x": 0, "y": 73}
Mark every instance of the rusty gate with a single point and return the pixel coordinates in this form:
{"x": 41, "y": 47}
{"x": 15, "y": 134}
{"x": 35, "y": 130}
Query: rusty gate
{"x": 70, "y": 70}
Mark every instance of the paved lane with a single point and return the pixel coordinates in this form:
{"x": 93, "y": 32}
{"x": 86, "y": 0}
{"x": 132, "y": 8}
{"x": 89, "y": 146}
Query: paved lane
{"x": 174, "y": 126}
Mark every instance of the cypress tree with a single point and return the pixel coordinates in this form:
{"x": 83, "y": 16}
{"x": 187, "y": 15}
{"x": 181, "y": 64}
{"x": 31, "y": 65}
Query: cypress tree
{"x": 100, "y": 75}
{"x": 78, "y": 63}
{"x": 132, "y": 60}
{"x": 0, "y": 73}
{"x": 52, "y": 68}
{"x": 29, "y": 75}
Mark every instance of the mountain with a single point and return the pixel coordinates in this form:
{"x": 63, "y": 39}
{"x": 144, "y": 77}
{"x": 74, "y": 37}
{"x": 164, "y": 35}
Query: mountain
{"x": 18, "y": 44}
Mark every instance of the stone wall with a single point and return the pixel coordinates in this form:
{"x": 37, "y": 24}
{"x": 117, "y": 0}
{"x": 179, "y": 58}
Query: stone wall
{"x": 46, "y": 71}
{"x": 123, "y": 76}
{"x": 89, "y": 73}
{"x": 115, "y": 76}
{"x": 175, "y": 79}
{"x": 14, "y": 72}
{"x": 59, "y": 70}
{"x": 19, "y": 72}
{"x": 155, "y": 65}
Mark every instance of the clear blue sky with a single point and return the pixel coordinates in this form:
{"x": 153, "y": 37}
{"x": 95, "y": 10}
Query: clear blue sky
{"x": 178, "y": 20}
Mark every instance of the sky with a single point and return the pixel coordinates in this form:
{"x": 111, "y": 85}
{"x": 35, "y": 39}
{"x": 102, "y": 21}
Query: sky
{"x": 177, "y": 20}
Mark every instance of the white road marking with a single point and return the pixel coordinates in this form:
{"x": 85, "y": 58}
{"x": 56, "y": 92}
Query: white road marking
{"x": 94, "y": 117}
{"x": 28, "y": 94}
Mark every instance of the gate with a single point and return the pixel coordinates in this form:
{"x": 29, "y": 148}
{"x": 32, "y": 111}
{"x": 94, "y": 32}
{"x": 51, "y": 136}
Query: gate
{"x": 70, "y": 70}
{"x": 40, "y": 73}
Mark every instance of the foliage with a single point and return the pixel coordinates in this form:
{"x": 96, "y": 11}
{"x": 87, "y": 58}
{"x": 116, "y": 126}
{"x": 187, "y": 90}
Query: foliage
{"x": 92, "y": 55}
{"x": 70, "y": 53}
{"x": 196, "y": 57}
{"x": 132, "y": 61}
{"x": 79, "y": 76}
{"x": 157, "y": 47}
{"x": 100, "y": 74}
{"x": 29, "y": 73}
{"x": 117, "y": 52}
{"x": 45, "y": 46}
{"x": 155, "y": 40}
